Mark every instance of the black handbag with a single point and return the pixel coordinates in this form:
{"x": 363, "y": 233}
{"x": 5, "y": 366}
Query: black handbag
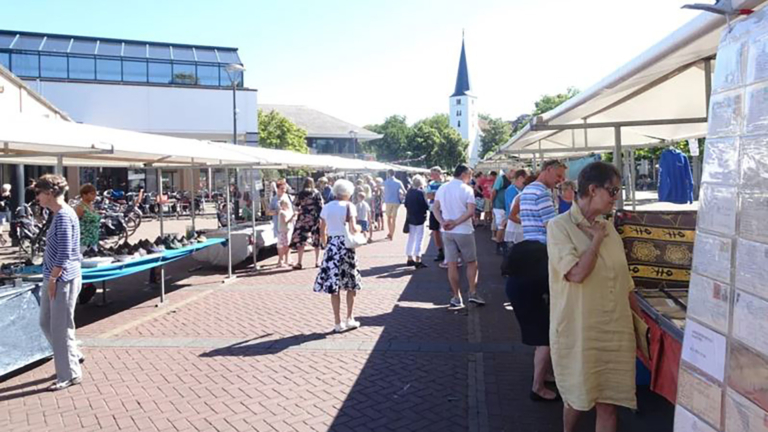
{"x": 406, "y": 227}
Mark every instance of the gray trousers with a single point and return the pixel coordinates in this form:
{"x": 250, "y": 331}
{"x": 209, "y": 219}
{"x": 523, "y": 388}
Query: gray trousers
{"x": 57, "y": 320}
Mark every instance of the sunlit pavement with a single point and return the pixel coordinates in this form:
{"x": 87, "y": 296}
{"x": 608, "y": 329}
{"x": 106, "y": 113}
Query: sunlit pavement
{"x": 257, "y": 354}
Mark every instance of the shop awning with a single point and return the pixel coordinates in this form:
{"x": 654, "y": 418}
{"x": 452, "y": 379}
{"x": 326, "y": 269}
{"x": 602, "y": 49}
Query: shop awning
{"x": 660, "y": 96}
{"x": 41, "y": 141}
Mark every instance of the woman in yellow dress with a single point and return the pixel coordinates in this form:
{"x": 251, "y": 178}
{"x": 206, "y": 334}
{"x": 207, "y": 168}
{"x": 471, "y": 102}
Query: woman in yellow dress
{"x": 591, "y": 333}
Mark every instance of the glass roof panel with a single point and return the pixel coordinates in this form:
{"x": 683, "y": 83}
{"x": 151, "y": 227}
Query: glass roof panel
{"x": 83, "y": 46}
{"x": 182, "y": 53}
{"x": 133, "y": 50}
{"x": 28, "y": 42}
{"x": 226, "y": 56}
{"x": 6, "y": 39}
{"x": 56, "y": 45}
{"x": 160, "y": 52}
{"x": 110, "y": 48}
{"x": 206, "y": 55}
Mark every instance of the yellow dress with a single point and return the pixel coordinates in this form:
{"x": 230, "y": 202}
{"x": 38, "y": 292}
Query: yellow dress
{"x": 591, "y": 332}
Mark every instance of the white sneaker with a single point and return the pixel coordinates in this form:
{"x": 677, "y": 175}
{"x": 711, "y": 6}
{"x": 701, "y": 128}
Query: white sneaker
{"x": 352, "y": 324}
{"x": 340, "y": 328}
{"x": 456, "y": 303}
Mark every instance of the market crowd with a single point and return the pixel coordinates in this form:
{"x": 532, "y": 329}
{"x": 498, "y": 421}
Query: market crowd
{"x": 567, "y": 276}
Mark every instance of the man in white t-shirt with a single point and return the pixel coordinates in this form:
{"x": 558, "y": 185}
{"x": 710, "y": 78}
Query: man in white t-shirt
{"x": 454, "y": 208}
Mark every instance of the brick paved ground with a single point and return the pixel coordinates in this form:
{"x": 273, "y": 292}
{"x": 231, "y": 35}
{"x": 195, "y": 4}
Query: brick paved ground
{"x": 256, "y": 354}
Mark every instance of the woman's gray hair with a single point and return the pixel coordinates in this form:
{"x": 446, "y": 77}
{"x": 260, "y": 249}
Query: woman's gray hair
{"x": 343, "y": 188}
{"x": 6, "y": 187}
{"x": 417, "y": 181}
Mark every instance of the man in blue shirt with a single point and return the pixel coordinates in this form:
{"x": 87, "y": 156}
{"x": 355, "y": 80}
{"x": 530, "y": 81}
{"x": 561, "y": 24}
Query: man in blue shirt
{"x": 436, "y": 176}
{"x": 394, "y": 191}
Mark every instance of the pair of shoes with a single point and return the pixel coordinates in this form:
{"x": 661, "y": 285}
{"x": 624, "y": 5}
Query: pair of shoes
{"x": 340, "y": 327}
{"x": 410, "y": 263}
{"x": 456, "y": 303}
{"x": 476, "y": 299}
{"x": 352, "y": 324}
{"x": 539, "y": 398}
{"x": 61, "y": 385}
{"x": 420, "y": 265}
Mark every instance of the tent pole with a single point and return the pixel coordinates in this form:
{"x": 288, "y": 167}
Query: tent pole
{"x": 254, "y": 196}
{"x": 162, "y": 232}
{"x": 229, "y": 226}
{"x": 707, "y": 84}
{"x": 192, "y": 198}
{"x": 617, "y": 161}
{"x": 633, "y": 173}
{"x": 60, "y": 165}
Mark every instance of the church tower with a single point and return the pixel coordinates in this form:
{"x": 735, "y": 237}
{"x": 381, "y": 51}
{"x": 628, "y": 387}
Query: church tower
{"x": 463, "y": 109}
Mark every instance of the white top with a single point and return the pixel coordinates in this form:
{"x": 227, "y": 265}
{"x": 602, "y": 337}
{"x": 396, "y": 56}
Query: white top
{"x": 334, "y": 214}
{"x": 363, "y": 210}
{"x": 514, "y": 231}
{"x": 455, "y": 197}
{"x": 282, "y": 225}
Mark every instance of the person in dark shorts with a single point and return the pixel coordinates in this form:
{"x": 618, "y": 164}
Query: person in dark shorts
{"x": 436, "y": 176}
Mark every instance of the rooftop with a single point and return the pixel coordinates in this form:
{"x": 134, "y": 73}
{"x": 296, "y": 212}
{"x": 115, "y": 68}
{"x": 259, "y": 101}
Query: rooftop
{"x": 319, "y": 124}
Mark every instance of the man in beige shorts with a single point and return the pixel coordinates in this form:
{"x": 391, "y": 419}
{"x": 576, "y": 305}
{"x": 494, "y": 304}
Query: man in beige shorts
{"x": 394, "y": 191}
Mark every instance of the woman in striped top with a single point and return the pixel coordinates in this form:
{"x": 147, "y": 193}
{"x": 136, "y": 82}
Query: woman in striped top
{"x": 61, "y": 281}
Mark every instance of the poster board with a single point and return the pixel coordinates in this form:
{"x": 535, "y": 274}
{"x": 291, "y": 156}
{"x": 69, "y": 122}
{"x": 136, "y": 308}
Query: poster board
{"x": 724, "y": 367}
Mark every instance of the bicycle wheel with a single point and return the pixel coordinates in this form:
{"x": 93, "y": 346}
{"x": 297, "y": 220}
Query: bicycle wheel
{"x": 132, "y": 223}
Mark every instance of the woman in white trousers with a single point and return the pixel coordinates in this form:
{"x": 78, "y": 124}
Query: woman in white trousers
{"x": 416, "y": 207}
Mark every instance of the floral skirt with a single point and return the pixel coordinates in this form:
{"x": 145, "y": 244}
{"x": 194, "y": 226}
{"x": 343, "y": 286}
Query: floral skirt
{"x": 339, "y": 269}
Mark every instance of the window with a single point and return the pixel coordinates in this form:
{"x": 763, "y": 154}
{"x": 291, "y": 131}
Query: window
{"x": 226, "y": 56}
{"x": 28, "y": 43}
{"x": 183, "y": 53}
{"x": 184, "y": 73}
{"x": 5, "y": 60}
{"x": 206, "y": 55}
{"x": 108, "y": 70}
{"x": 53, "y": 66}
{"x": 110, "y": 48}
{"x": 459, "y": 124}
{"x": 225, "y": 77}
{"x": 160, "y": 52}
{"x": 80, "y": 46}
{"x": 26, "y": 65}
{"x": 139, "y": 51}
{"x": 458, "y": 101}
{"x": 160, "y": 73}
{"x": 56, "y": 45}
{"x": 6, "y": 40}
{"x": 208, "y": 75}
{"x": 82, "y": 68}
{"x": 134, "y": 71}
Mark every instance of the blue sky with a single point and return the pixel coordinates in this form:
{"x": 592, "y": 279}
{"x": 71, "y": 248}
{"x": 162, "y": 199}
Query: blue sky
{"x": 363, "y": 60}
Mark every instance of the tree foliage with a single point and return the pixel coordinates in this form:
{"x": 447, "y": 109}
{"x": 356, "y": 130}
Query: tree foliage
{"x": 278, "y": 132}
{"x": 432, "y": 141}
{"x": 544, "y": 104}
{"x": 496, "y": 133}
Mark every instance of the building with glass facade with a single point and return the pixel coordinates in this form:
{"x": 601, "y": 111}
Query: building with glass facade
{"x": 162, "y": 88}
{"x": 75, "y": 58}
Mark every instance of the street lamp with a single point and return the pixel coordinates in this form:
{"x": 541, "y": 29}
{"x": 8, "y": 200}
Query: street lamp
{"x": 234, "y": 71}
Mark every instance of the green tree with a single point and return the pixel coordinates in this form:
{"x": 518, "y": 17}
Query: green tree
{"x": 393, "y": 145}
{"x": 277, "y": 132}
{"x": 496, "y": 133}
{"x": 438, "y": 142}
{"x": 549, "y": 102}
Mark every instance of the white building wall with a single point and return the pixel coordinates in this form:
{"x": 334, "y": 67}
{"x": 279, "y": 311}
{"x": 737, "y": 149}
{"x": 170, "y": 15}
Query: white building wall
{"x": 15, "y": 99}
{"x": 178, "y": 111}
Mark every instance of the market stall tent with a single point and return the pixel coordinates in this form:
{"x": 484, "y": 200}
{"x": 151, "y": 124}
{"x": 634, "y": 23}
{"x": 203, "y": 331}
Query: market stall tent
{"x": 660, "y": 96}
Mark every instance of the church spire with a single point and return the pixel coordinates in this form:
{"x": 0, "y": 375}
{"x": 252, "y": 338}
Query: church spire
{"x": 462, "y": 78}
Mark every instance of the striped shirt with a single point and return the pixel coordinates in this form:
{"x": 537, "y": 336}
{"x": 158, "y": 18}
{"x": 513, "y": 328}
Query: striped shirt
{"x": 536, "y": 209}
{"x": 62, "y": 248}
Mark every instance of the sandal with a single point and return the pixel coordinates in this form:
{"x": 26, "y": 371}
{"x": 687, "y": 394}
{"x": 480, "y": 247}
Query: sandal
{"x": 297, "y": 267}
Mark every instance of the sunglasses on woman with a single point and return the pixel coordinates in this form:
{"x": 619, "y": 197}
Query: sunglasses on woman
{"x": 612, "y": 192}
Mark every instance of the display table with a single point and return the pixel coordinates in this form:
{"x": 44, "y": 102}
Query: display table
{"x": 241, "y": 244}
{"x": 21, "y": 340}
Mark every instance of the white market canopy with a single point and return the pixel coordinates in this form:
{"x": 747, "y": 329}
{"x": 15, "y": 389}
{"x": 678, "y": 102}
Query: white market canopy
{"x": 660, "y": 96}
{"x": 26, "y": 139}
{"x": 41, "y": 141}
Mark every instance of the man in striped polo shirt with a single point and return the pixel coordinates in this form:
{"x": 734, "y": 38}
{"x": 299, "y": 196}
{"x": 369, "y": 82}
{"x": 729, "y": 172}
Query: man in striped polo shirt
{"x": 536, "y": 204}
